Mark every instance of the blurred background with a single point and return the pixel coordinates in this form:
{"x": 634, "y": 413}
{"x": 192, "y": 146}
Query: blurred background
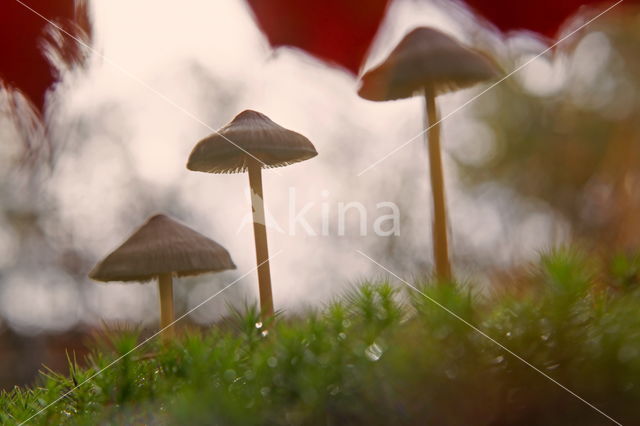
{"x": 550, "y": 156}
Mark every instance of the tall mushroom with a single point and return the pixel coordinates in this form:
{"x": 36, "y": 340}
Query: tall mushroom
{"x": 251, "y": 142}
{"x": 161, "y": 248}
{"x": 429, "y": 62}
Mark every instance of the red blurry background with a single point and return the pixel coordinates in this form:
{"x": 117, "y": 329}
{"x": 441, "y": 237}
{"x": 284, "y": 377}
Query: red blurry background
{"x": 337, "y": 31}
{"x": 23, "y": 63}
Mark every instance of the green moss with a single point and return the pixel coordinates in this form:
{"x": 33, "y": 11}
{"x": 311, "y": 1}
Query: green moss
{"x": 381, "y": 354}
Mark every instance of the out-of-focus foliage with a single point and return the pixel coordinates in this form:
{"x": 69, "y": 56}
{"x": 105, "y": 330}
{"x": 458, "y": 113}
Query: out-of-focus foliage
{"x": 565, "y": 130}
{"x": 40, "y": 41}
{"x": 380, "y": 356}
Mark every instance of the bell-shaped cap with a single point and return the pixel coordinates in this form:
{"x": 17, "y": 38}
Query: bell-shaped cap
{"x": 251, "y": 135}
{"x": 162, "y": 246}
{"x": 426, "y": 59}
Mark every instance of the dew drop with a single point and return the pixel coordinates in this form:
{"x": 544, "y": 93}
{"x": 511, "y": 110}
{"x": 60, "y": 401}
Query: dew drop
{"x": 333, "y": 390}
{"x": 373, "y": 352}
{"x": 497, "y": 360}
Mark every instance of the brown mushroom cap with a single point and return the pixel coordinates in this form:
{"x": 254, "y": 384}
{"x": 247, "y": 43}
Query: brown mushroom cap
{"x": 162, "y": 246}
{"x": 426, "y": 58}
{"x": 251, "y": 133}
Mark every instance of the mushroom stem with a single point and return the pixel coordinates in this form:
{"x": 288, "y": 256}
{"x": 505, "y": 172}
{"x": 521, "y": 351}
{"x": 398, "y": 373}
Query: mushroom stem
{"x": 260, "y": 235}
{"x": 165, "y": 285}
{"x": 440, "y": 244}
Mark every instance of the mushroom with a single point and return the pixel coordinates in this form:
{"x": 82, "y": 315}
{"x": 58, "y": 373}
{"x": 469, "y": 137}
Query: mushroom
{"x": 161, "y": 248}
{"x": 251, "y": 142}
{"x": 429, "y": 62}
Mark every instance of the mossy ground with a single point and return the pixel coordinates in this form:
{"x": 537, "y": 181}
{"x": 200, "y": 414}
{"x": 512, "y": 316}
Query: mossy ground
{"x": 382, "y": 354}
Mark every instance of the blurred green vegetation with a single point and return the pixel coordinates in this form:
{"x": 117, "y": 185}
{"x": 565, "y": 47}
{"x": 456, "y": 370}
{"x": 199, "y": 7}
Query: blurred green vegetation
{"x": 565, "y": 131}
{"x": 381, "y": 354}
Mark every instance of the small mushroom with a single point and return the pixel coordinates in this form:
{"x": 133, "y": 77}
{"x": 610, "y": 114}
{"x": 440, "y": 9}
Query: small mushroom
{"x": 251, "y": 142}
{"x": 429, "y": 62}
{"x": 161, "y": 248}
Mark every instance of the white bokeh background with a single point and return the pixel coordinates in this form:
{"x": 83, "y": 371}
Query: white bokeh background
{"x": 163, "y": 76}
